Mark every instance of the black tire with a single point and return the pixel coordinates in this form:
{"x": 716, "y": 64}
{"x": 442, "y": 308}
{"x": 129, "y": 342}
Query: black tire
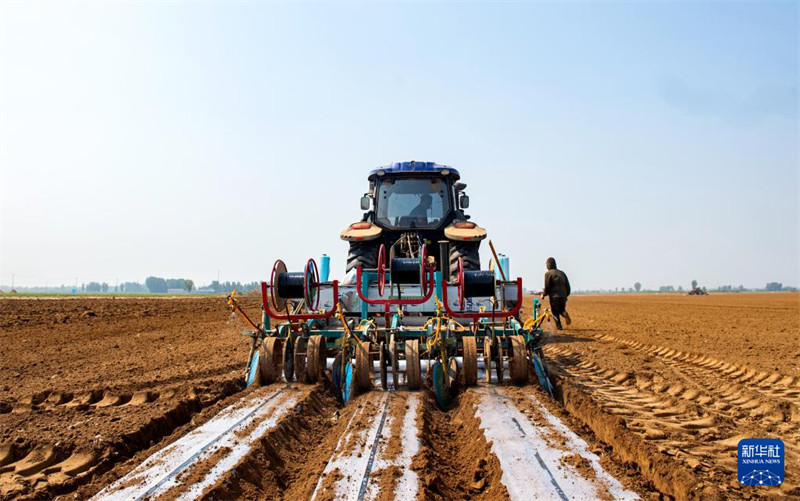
{"x": 468, "y": 252}
{"x": 364, "y": 254}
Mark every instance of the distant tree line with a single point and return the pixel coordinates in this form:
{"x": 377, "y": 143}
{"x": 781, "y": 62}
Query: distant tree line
{"x": 96, "y": 287}
{"x": 154, "y": 285}
{"x": 158, "y": 285}
{"x": 132, "y": 287}
{"x": 777, "y": 286}
{"x": 228, "y": 287}
{"x": 770, "y": 287}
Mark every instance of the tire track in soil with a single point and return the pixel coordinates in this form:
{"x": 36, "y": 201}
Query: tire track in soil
{"x": 45, "y": 468}
{"x": 766, "y": 401}
{"x": 771, "y": 384}
{"x": 97, "y": 398}
{"x": 695, "y": 425}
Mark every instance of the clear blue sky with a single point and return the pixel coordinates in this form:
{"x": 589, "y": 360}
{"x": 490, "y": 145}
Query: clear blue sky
{"x": 651, "y": 142}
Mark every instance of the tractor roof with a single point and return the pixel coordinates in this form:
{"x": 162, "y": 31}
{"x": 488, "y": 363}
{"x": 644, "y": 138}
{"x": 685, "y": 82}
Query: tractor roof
{"x": 414, "y": 167}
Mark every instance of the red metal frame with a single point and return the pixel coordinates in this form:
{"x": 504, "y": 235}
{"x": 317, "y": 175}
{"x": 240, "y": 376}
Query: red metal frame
{"x": 299, "y": 316}
{"x": 485, "y": 314}
{"x": 394, "y": 301}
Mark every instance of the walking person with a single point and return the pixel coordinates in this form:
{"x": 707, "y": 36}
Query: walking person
{"x": 556, "y": 285}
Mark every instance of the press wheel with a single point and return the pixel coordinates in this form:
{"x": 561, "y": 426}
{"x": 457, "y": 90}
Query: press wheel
{"x": 497, "y": 354}
{"x": 382, "y": 359}
{"x": 413, "y": 378}
{"x": 316, "y": 358}
{"x": 270, "y": 359}
{"x": 487, "y": 359}
{"x": 300, "y": 352}
{"x": 395, "y": 362}
{"x": 363, "y": 368}
{"x": 518, "y": 361}
{"x": 470, "y": 360}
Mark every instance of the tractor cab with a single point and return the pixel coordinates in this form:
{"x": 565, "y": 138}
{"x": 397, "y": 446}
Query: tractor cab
{"x": 409, "y": 204}
{"x": 414, "y": 195}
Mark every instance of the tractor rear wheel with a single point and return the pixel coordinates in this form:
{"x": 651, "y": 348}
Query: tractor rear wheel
{"x": 468, "y": 252}
{"x": 364, "y": 254}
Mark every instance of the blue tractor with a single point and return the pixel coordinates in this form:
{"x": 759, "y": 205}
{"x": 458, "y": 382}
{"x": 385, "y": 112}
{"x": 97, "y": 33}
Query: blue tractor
{"x": 414, "y": 301}
{"x": 411, "y": 204}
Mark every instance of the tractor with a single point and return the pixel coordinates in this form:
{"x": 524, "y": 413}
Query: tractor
{"x": 411, "y": 204}
{"x": 414, "y": 300}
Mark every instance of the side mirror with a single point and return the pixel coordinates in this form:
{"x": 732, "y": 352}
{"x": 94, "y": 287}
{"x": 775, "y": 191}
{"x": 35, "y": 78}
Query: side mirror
{"x": 365, "y": 203}
{"x": 464, "y": 201}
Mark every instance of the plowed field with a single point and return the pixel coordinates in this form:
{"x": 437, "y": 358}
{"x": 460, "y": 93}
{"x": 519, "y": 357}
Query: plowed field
{"x": 653, "y": 393}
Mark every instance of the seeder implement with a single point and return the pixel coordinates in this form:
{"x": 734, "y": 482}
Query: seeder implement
{"x": 379, "y": 331}
{"x": 399, "y": 306}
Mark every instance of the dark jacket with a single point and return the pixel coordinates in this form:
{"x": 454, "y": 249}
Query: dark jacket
{"x": 556, "y": 283}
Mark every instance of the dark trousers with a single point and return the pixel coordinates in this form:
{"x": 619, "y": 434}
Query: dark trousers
{"x": 558, "y": 306}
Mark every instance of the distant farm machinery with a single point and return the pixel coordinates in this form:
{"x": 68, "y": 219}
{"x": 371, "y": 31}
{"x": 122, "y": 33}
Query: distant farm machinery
{"x": 400, "y": 313}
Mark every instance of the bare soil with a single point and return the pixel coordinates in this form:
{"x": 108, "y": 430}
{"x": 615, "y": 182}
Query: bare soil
{"x": 662, "y": 387}
{"x": 672, "y": 383}
{"x": 88, "y": 383}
